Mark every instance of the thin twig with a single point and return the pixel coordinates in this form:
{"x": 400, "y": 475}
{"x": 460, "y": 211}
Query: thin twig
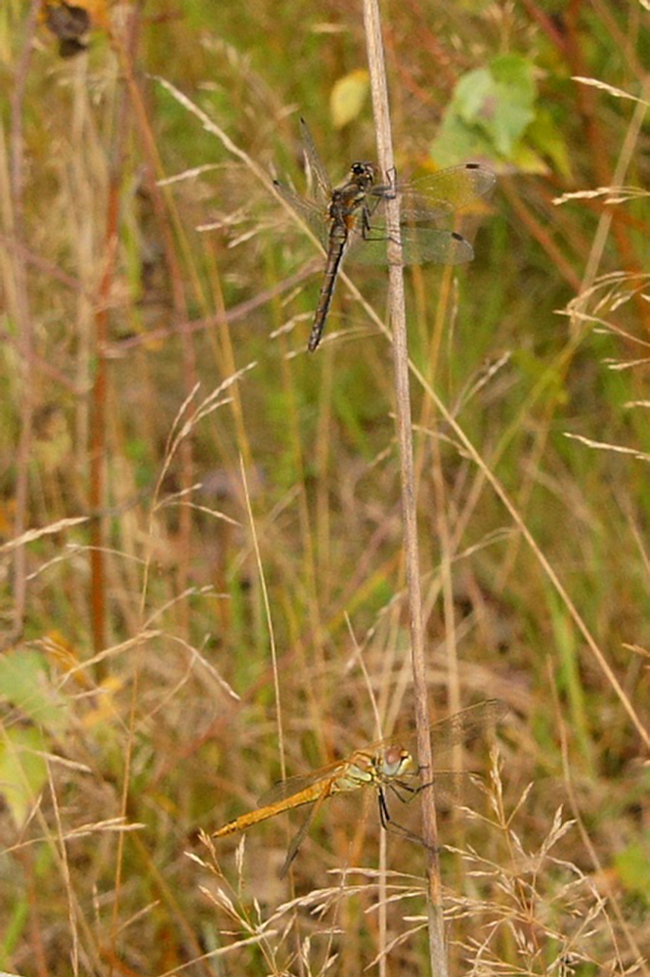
{"x": 396, "y": 304}
{"x": 166, "y": 219}
{"x": 24, "y": 322}
{"x": 269, "y": 621}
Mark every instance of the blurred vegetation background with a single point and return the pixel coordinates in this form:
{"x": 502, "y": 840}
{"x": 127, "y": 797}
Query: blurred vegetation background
{"x": 172, "y": 460}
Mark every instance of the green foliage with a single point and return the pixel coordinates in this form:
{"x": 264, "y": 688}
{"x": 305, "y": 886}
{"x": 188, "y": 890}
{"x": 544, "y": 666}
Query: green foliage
{"x": 632, "y": 866}
{"x": 25, "y": 685}
{"x": 495, "y": 111}
{"x": 22, "y": 770}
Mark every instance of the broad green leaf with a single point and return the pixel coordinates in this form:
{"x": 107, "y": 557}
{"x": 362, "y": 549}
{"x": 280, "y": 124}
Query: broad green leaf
{"x": 504, "y": 105}
{"x": 348, "y": 97}
{"x": 24, "y": 684}
{"x": 22, "y": 770}
{"x": 470, "y": 99}
{"x": 457, "y": 141}
{"x": 490, "y": 113}
{"x": 515, "y": 72}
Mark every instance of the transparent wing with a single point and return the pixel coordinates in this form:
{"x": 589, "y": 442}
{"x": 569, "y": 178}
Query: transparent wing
{"x": 441, "y": 193}
{"x": 315, "y": 163}
{"x": 465, "y": 726}
{"x": 313, "y": 215}
{"x": 453, "y": 787}
{"x": 299, "y": 837}
{"x": 419, "y": 245}
{"x": 462, "y": 727}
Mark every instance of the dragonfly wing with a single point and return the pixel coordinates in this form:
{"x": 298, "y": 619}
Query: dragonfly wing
{"x": 456, "y": 787}
{"x": 444, "y": 192}
{"x": 309, "y": 212}
{"x": 300, "y": 835}
{"x": 452, "y": 731}
{"x": 315, "y": 163}
{"x": 419, "y": 245}
{"x": 452, "y": 786}
{"x": 466, "y": 725}
{"x": 462, "y": 727}
{"x": 297, "y": 841}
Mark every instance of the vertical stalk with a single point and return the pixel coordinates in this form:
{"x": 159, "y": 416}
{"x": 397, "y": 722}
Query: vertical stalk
{"x": 97, "y": 434}
{"x": 397, "y": 314}
{"x": 99, "y": 392}
{"x": 23, "y": 316}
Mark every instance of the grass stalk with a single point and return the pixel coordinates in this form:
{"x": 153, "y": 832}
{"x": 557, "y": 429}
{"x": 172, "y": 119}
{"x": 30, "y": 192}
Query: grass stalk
{"x": 397, "y": 314}
{"x": 24, "y": 321}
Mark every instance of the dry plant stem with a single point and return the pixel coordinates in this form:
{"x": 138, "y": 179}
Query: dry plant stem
{"x": 167, "y": 216}
{"x": 382, "y": 890}
{"x": 96, "y": 489}
{"x": 98, "y": 464}
{"x": 588, "y": 111}
{"x": 404, "y": 431}
{"x": 24, "y": 322}
{"x": 618, "y": 179}
{"x": 99, "y": 394}
{"x": 65, "y": 868}
{"x": 236, "y": 313}
{"x": 269, "y": 620}
{"x": 510, "y": 507}
{"x": 599, "y": 869}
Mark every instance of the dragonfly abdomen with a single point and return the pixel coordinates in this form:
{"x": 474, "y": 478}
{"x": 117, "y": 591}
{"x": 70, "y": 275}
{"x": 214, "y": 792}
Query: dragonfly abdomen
{"x": 306, "y": 796}
{"x": 337, "y": 242}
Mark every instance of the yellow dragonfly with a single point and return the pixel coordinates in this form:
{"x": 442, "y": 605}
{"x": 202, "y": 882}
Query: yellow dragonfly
{"x": 385, "y": 765}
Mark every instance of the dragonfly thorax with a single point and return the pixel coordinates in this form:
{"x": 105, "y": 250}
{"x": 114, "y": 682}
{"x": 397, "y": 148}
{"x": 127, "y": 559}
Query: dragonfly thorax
{"x": 349, "y": 199}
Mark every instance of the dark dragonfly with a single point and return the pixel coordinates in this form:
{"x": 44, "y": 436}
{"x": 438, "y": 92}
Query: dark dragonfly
{"x": 349, "y": 220}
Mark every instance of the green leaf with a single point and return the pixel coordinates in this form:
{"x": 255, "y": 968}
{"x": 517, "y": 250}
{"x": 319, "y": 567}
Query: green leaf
{"x": 632, "y": 865}
{"x": 24, "y": 683}
{"x": 456, "y": 141}
{"x": 348, "y": 97}
{"x": 494, "y": 105}
{"x": 470, "y": 100}
{"x": 22, "y": 771}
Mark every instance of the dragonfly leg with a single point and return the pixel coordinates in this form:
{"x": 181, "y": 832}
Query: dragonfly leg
{"x": 389, "y": 192}
{"x": 411, "y": 791}
{"x": 388, "y": 824}
{"x": 368, "y": 231}
{"x": 384, "y": 815}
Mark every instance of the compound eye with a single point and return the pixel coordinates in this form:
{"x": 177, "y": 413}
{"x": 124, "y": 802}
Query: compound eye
{"x": 396, "y": 761}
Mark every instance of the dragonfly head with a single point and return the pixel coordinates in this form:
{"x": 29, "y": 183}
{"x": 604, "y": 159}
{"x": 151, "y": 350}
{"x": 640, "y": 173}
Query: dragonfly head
{"x": 364, "y": 175}
{"x": 395, "y": 762}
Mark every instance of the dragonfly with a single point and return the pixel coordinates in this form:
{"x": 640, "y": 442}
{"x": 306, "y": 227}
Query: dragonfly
{"x": 350, "y": 221}
{"x": 385, "y": 765}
